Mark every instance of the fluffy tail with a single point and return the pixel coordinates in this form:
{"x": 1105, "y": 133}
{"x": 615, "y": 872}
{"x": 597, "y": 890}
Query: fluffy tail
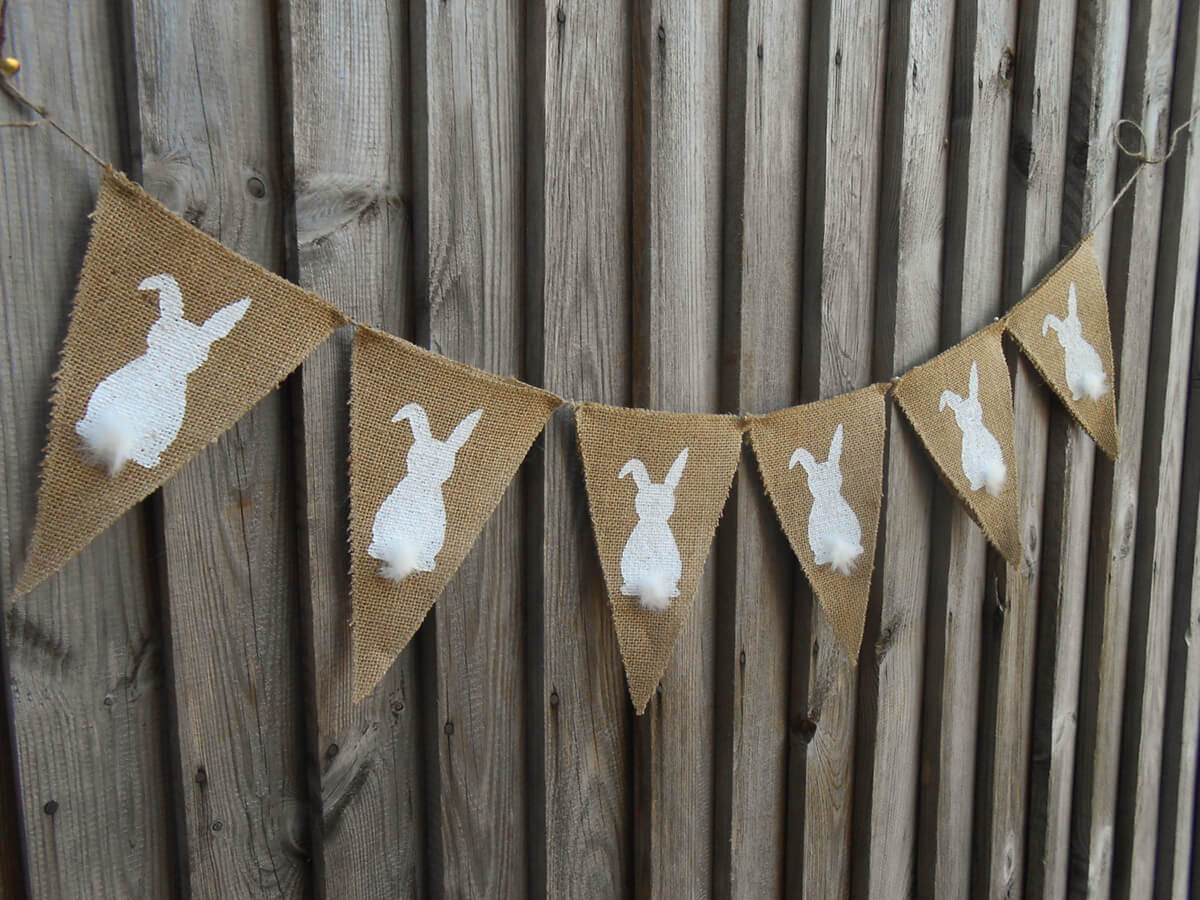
{"x": 108, "y": 439}
{"x": 398, "y": 559}
{"x": 994, "y": 477}
{"x": 654, "y": 593}
{"x": 843, "y": 555}
{"x": 1094, "y": 384}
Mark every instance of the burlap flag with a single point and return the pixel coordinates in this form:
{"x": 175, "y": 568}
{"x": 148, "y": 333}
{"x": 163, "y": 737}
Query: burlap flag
{"x": 1062, "y": 326}
{"x": 172, "y": 339}
{"x": 434, "y": 444}
{"x": 822, "y": 465}
{"x": 656, "y": 485}
{"x": 960, "y": 404}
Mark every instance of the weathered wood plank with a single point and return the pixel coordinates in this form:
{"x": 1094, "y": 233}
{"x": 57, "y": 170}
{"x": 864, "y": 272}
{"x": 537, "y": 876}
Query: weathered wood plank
{"x": 678, "y": 73}
{"x": 1037, "y": 148}
{"x": 909, "y": 288}
{"x": 981, "y": 112}
{"x": 1158, "y": 504}
{"x": 842, "y": 175}
{"x": 1181, "y": 719}
{"x": 1130, "y": 282}
{"x": 84, "y": 653}
{"x": 351, "y": 242}
{"x": 578, "y": 294}
{"x": 468, "y": 246}
{"x": 14, "y": 884}
{"x": 208, "y": 139}
{"x": 756, "y": 570}
{"x": 1101, "y": 31}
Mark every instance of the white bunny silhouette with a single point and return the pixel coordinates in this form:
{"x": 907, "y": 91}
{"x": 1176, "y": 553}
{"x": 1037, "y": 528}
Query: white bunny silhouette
{"x": 650, "y": 563}
{"x": 982, "y": 458}
{"x": 1085, "y": 371}
{"x": 410, "y": 527}
{"x": 834, "y": 534}
{"x": 137, "y": 411}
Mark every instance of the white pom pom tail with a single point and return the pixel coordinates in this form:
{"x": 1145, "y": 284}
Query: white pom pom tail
{"x": 1094, "y": 385}
{"x": 398, "y": 560}
{"x": 107, "y": 439}
{"x": 843, "y": 556}
{"x": 995, "y": 477}
{"x": 653, "y": 593}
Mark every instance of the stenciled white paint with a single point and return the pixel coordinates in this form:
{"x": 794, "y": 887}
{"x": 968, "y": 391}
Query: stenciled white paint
{"x": 1085, "y": 371}
{"x": 650, "y": 565}
{"x": 410, "y": 526}
{"x": 834, "y": 534}
{"x": 982, "y": 458}
{"x": 136, "y": 412}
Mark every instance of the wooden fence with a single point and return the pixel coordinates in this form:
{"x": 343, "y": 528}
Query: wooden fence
{"x": 683, "y": 204}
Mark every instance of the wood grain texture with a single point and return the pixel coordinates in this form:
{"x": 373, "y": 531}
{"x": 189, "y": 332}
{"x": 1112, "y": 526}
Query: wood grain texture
{"x": 678, "y": 56}
{"x": 578, "y": 294}
{"x": 981, "y": 112}
{"x": 468, "y": 240}
{"x": 842, "y": 176}
{"x": 1101, "y": 32}
{"x": 756, "y": 570}
{"x": 909, "y": 285}
{"x": 1158, "y": 511}
{"x": 84, "y": 653}
{"x": 1181, "y": 715}
{"x": 347, "y": 129}
{"x": 207, "y": 136}
{"x": 1037, "y": 158}
{"x": 1130, "y": 284}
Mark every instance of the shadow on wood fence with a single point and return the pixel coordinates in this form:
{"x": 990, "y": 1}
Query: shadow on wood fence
{"x": 683, "y": 204}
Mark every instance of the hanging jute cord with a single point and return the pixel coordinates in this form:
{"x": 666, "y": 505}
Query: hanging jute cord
{"x": 9, "y": 66}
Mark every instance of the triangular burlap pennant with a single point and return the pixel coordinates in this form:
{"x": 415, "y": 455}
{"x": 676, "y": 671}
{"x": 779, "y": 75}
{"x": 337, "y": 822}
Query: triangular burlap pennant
{"x": 1062, "y": 326}
{"x": 434, "y": 444}
{"x": 172, "y": 339}
{"x": 822, "y": 465}
{"x": 656, "y": 485}
{"x": 960, "y": 404}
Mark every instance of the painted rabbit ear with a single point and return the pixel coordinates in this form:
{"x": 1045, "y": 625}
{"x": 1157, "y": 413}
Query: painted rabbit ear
{"x": 463, "y": 429}
{"x": 973, "y": 383}
{"x": 170, "y": 299}
{"x": 835, "y": 445}
{"x": 220, "y": 323}
{"x": 676, "y": 470}
{"x": 417, "y": 421}
{"x": 637, "y": 469}
{"x": 1072, "y": 302}
{"x": 802, "y": 456}
{"x": 950, "y": 399}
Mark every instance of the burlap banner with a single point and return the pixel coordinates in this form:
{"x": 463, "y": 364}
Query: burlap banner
{"x": 172, "y": 339}
{"x": 433, "y": 446}
{"x": 822, "y": 466}
{"x": 656, "y": 485}
{"x": 1062, "y": 326}
{"x": 960, "y": 404}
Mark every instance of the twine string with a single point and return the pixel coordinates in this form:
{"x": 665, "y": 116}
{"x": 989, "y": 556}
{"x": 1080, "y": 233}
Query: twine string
{"x": 44, "y": 115}
{"x": 1140, "y": 156}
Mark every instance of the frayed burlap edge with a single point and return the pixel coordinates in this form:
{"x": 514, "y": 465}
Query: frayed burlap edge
{"x": 115, "y": 180}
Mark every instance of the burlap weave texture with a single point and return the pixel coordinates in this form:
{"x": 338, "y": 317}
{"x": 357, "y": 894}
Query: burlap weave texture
{"x": 387, "y": 374}
{"x": 1041, "y": 324}
{"x": 922, "y": 395}
{"x": 608, "y": 438}
{"x": 134, "y": 238}
{"x": 854, "y": 477}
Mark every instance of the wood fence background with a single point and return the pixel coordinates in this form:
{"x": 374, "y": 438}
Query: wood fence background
{"x": 684, "y": 204}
